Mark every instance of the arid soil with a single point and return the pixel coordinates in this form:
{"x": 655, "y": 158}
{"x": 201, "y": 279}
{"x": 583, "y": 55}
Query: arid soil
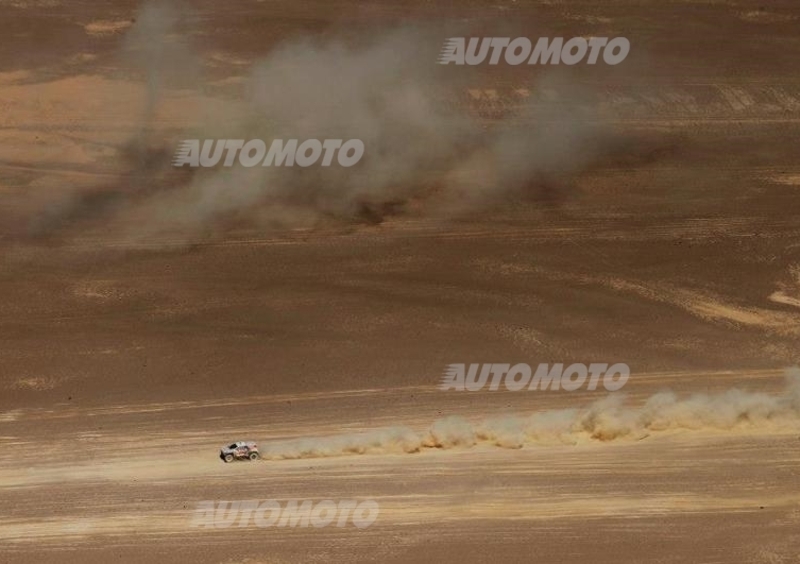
{"x": 137, "y": 339}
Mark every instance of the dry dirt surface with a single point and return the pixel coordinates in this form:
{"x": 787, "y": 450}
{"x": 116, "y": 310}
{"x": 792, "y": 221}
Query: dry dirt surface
{"x": 645, "y": 213}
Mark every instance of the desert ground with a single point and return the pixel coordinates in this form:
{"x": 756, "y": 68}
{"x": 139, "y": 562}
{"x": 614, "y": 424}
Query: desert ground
{"x": 649, "y": 214}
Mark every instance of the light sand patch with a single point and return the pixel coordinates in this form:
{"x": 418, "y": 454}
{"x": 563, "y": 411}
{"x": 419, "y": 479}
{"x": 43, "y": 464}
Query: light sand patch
{"x": 99, "y": 290}
{"x": 787, "y": 179}
{"x": 781, "y": 298}
{"x": 81, "y": 58}
{"x": 106, "y": 27}
{"x": 763, "y": 16}
{"x": 38, "y": 383}
{"x": 224, "y": 59}
{"x": 28, "y": 4}
{"x": 588, "y": 18}
{"x": 8, "y": 416}
{"x": 713, "y": 308}
{"x": 789, "y": 292}
{"x": 523, "y": 336}
{"x": 14, "y": 77}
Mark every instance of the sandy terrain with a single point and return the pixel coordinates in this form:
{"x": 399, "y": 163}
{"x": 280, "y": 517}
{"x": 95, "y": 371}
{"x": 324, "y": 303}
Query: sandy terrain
{"x": 658, "y": 226}
{"x": 100, "y": 488}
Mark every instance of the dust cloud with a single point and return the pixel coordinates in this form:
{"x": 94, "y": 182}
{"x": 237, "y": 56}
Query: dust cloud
{"x": 608, "y": 419}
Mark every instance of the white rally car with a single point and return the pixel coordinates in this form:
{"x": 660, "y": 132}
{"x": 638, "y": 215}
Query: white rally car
{"x": 239, "y": 451}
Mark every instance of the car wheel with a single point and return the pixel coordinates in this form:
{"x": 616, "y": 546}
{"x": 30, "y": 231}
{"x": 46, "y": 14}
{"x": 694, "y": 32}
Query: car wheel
{"x": 228, "y": 458}
{"x": 253, "y": 456}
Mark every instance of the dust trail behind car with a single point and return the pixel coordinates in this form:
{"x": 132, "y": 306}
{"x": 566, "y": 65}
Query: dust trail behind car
{"x": 607, "y": 419}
